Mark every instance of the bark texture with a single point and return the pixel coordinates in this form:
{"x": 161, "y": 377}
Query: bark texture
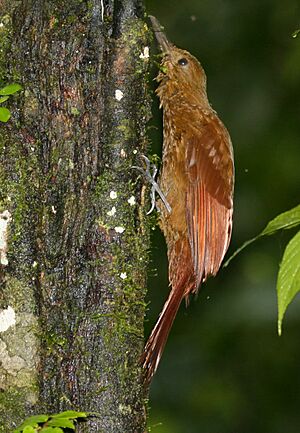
{"x": 73, "y": 286}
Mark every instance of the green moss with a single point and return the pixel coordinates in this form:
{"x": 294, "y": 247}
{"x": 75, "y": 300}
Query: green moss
{"x": 126, "y": 130}
{"x": 5, "y": 42}
{"x": 30, "y": 106}
{"x": 135, "y": 33}
{"x": 53, "y": 340}
{"x": 120, "y": 323}
{"x": 19, "y": 294}
{"x": 12, "y": 408}
{"x": 75, "y": 111}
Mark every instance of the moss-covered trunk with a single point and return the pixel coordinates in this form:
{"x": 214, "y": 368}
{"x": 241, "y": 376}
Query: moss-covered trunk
{"x": 73, "y": 239}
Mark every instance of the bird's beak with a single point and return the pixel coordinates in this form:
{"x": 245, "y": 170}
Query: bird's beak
{"x": 159, "y": 34}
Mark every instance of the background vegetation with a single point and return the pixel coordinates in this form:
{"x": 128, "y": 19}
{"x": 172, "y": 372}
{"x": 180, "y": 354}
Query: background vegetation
{"x": 225, "y": 370}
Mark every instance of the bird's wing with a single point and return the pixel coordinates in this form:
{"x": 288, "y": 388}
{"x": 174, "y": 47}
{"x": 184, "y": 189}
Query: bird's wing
{"x": 209, "y": 205}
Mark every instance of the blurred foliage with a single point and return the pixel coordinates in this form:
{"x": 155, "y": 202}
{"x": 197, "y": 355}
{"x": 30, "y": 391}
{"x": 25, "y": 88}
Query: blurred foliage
{"x": 5, "y": 93}
{"x": 288, "y": 281}
{"x": 225, "y": 370}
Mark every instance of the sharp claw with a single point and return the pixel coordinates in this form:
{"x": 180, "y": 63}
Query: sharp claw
{"x": 155, "y": 187}
{"x": 152, "y": 207}
{"x": 147, "y": 161}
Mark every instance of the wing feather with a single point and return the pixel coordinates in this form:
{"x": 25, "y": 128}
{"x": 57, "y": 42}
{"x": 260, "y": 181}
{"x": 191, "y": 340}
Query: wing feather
{"x": 209, "y": 197}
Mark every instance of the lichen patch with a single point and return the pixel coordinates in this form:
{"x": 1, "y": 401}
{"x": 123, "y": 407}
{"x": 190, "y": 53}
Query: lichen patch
{"x": 113, "y": 195}
{"x": 119, "y": 94}
{"x": 5, "y": 218}
{"x": 112, "y": 211}
{"x": 119, "y": 229}
{"x": 131, "y": 200}
{"x": 145, "y": 54}
{"x": 7, "y": 318}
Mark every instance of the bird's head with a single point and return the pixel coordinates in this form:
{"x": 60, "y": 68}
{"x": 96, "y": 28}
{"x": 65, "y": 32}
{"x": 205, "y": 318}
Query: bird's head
{"x": 178, "y": 65}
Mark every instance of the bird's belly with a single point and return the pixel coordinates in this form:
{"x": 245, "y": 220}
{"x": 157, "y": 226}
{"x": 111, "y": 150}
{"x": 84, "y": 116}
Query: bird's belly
{"x": 173, "y": 183}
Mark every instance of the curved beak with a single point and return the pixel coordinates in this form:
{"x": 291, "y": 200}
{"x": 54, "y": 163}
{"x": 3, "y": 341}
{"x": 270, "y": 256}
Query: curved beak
{"x": 159, "y": 34}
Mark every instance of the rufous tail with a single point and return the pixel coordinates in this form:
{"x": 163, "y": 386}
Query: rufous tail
{"x": 159, "y": 335}
{"x": 182, "y": 280}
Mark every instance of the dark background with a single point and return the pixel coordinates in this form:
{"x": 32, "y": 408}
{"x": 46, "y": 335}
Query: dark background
{"x": 225, "y": 370}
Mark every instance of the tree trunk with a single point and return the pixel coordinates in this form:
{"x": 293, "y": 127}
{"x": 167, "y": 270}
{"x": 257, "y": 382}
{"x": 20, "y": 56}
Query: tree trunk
{"x": 73, "y": 236}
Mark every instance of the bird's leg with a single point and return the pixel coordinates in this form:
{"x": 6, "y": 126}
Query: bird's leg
{"x": 155, "y": 188}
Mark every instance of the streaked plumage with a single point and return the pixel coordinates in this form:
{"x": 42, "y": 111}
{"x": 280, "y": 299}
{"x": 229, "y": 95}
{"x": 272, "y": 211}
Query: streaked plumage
{"x": 197, "y": 179}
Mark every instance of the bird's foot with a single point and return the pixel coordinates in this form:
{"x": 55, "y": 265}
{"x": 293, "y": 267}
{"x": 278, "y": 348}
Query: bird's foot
{"x": 155, "y": 188}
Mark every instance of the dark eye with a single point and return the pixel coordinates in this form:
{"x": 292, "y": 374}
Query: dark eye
{"x": 183, "y": 62}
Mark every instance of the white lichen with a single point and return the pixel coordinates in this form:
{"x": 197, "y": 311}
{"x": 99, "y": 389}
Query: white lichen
{"x": 119, "y": 229}
{"x": 123, "y": 275}
{"x": 112, "y": 211}
{"x": 131, "y": 200}
{"x": 53, "y": 210}
{"x": 113, "y": 195}
{"x": 135, "y": 151}
{"x": 123, "y": 153}
{"x": 5, "y": 218}
{"x": 125, "y": 409}
{"x": 7, "y": 319}
{"x": 119, "y": 95}
{"x": 145, "y": 53}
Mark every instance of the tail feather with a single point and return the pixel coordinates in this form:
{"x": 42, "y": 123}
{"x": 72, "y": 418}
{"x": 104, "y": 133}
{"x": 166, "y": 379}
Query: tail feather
{"x": 182, "y": 280}
{"x": 157, "y": 340}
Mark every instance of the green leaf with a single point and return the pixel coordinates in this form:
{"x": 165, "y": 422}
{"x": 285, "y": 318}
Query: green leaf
{"x": 61, "y": 422}
{"x": 283, "y": 221}
{"x": 3, "y": 99}
{"x": 29, "y": 429}
{"x": 71, "y": 414}
{"x": 51, "y": 430}
{"x": 34, "y": 420}
{"x": 288, "y": 281}
{"x": 10, "y": 89}
{"x": 296, "y": 33}
{"x": 4, "y": 114}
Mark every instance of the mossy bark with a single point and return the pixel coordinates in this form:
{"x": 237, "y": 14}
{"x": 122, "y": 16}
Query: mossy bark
{"x": 76, "y": 240}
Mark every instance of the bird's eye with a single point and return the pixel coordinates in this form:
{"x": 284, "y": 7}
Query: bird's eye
{"x": 183, "y": 62}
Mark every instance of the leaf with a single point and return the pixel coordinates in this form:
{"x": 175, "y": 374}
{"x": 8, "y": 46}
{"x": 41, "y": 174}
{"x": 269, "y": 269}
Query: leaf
{"x": 61, "y": 422}
{"x": 4, "y": 114}
{"x": 288, "y": 281}
{"x": 51, "y": 430}
{"x": 34, "y": 420}
{"x": 10, "y": 89}
{"x": 29, "y": 429}
{"x": 296, "y": 33}
{"x": 71, "y": 414}
{"x": 283, "y": 221}
{"x": 3, "y": 99}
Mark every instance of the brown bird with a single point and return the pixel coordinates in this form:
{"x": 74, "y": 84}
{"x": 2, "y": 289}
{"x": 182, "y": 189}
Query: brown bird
{"x": 197, "y": 179}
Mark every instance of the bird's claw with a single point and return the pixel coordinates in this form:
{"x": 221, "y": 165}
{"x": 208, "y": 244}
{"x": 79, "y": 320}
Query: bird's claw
{"x": 155, "y": 188}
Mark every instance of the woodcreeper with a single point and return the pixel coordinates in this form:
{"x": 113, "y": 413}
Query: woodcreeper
{"x": 197, "y": 179}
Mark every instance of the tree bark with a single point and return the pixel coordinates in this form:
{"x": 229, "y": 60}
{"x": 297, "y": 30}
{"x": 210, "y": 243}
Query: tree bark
{"x": 75, "y": 240}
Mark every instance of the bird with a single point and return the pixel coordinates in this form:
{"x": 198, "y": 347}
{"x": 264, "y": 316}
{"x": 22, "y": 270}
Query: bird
{"x": 197, "y": 180}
